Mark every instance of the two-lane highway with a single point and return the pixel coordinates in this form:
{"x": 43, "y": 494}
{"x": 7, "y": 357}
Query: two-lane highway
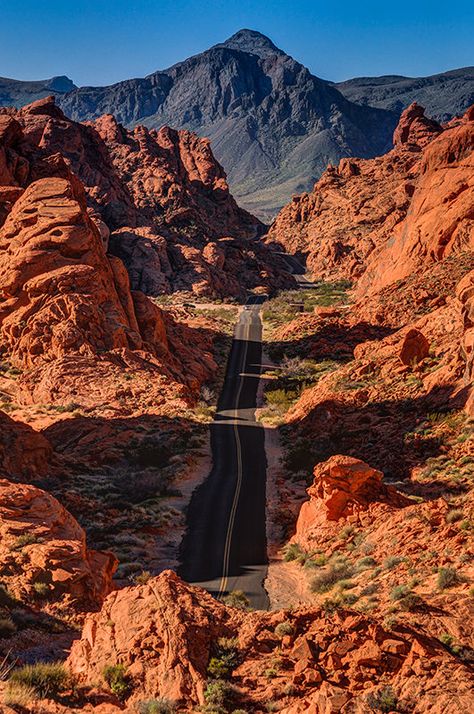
{"x": 225, "y": 546}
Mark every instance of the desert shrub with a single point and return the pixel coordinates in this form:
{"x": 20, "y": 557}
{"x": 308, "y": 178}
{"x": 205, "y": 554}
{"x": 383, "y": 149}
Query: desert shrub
{"x": 411, "y": 601}
{"x": 316, "y": 561}
{"x": 448, "y": 578}
{"x": 46, "y": 679}
{"x": 25, "y": 539}
{"x": 324, "y": 581}
{"x": 142, "y": 578}
{"x": 399, "y": 592}
{"x": 292, "y": 552}
{"x": 237, "y": 598}
{"x": 18, "y": 695}
{"x": 392, "y": 561}
{"x": 385, "y": 700}
{"x": 118, "y": 680}
{"x": 454, "y": 515}
{"x": 7, "y": 627}
{"x": 347, "y": 531}
{"x": 156, "y": 706}
{"x": 219, "y": 693}
{"x": 41, "y": 589}
{"x": 366, "y": 562}
{"x": 225, "y": 658}
{"x": 284, "y": 628}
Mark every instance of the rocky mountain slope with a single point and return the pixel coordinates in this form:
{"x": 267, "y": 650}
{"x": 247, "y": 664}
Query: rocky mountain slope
{"x": 385, "y": 216}
{"x": 162, "y": 200}
{"x": 444, "y": 95}
{"x": 17, "y": 93}
{"x": 272, "y": 124}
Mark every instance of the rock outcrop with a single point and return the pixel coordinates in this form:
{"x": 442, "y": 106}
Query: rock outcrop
{"x": 378, "y": 221}
{"x": 43, "y": 554}
{"x": 159, "y": 199}
{"x": 23, "y": 451}
{"x": 440, "y": 219}
{"x": 343, "y": 488}
{"x": 164, "y": 633}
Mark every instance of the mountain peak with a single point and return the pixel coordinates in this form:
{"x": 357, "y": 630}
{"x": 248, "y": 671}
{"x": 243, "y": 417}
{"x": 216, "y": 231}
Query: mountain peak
{"x": 251, "y": 41}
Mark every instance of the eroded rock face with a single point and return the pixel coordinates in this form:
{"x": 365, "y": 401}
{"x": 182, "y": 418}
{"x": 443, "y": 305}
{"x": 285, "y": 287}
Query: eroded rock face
{"x": 23, "y": 451}
{"x": 440, "y": 220}
{"x": 160, "y": 193}
{"x": 415, "y": 348}
{"x": 44, "y": 554}
{"x": 465, "y": 295}
{"x": 165, "y": 631}
{"x": 343, "y": 487}
{"x": 355, "y": 206}
{"x": 379, "y": 220}
{"x": 162, "y": 632}
{"x": 58, "y": 287}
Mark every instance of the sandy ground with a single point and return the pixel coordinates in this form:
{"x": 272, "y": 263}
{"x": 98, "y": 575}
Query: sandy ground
{"x": 167, "y": 555}
{"x": 285, "y": 584}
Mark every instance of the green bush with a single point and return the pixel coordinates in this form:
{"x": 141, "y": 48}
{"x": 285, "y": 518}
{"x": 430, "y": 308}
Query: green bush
{"x": 454, "y": 515}
{"x": 237, "y": 598}
{"x": 225, "y": 658}
{"x": 448, "y": 578}
{"x": 399, "y": 592}
{"x": 392, "y": 561}
{"x": 366, "y": 562}
{"x": 284, "y": 628}
{"x": 324, "y": 581}
{"x": 7, "y": 627}
{"x": 47, "y": 679}
{"x": 219, "y": 693}
{"x": 156, "y": 706}
{"x": 118, "y": 680}
{"x": 385, "y": 700}
{"x": 292, "y": 552}
{"x": 25, "y": 539}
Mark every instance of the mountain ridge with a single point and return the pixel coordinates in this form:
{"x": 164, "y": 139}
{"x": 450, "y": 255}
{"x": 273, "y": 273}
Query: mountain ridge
{"x": 273, "y": 125}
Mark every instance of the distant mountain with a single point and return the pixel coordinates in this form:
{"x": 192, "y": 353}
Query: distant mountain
{"x": 273, "y": 125}
{"x": 16, "y": 93}
{"x": 443, "y": 95}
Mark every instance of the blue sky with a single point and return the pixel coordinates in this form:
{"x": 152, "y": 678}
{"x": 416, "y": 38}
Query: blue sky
{"x": 96, "y": 42}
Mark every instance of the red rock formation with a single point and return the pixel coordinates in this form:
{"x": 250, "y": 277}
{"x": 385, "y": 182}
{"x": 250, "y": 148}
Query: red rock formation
{"x": 387, "y": 217}
{"x": 44, "y": 555}
{"x": 23, "y": 451}
{"x": 162, "y": 194}
{"x": 440, "y": 220}
{"x": 465, "y": 295}
{"x": 68, "y": 315}
{"x": 355, "y": 207}
{"x": 343, "y": 487}
{"x": 331, "y": 663}
{"x": 415, "y": 348}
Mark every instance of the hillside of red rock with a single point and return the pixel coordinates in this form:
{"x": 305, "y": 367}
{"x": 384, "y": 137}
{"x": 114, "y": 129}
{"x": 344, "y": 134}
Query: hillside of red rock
{"x": 318, "y": 663}
{"x": 384, "y": 217}
{"x": 160, "y": 199}
{"x": 107, "y": 390}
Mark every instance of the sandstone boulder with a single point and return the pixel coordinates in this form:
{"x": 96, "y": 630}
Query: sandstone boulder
{"x": 415, "y": 347}
{"x": 343, "y": 487}
{"x": 24, "y": 453}
{"x": 162, "y": 632}
{"x": 43, "y": 554}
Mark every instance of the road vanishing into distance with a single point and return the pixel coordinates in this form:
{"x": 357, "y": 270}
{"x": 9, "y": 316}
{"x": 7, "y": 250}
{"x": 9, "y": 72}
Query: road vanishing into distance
{"x": 225, "y": 546}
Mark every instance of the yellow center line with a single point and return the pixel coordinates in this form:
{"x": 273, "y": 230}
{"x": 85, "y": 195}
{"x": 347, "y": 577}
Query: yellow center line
{"x": 235, "y": 502}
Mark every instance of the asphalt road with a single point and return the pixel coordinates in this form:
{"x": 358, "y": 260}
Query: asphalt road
{"x": 225, "y": 546}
